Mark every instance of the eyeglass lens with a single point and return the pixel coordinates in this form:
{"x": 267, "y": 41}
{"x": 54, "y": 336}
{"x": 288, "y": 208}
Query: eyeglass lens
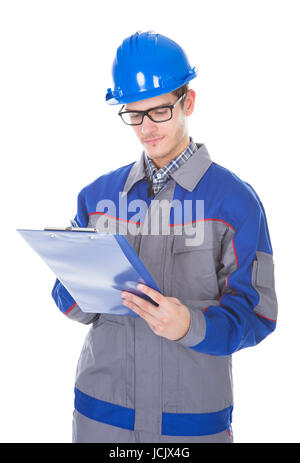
{"x": 158, "y": 115}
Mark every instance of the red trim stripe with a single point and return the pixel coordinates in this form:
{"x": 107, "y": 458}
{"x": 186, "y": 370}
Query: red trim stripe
{"x": 117, "y": 218}
{"x": 170, "y": 225}
{"x": 193, "y": 221}
{"x": 236, "y": 258}
{"x": 72, "y": 306}
{"x": 270, "y": 319}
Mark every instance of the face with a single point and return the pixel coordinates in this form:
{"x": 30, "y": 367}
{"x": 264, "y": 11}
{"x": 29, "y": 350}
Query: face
{"x": 163, "y": 141}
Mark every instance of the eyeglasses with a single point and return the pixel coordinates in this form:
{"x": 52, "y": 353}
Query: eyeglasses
{"x": 159, "y": 114}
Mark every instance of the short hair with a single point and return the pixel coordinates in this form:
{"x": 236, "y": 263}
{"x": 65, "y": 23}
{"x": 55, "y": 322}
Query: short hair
{"x": 180, "y": 91}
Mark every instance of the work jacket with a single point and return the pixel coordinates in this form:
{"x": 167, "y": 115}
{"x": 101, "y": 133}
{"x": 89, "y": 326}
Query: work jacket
{"x": 127, "y": 376}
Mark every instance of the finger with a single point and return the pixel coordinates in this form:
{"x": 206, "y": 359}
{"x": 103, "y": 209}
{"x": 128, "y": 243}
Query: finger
{"x": 147, "y": 316}
{"x": 174, "y": 299}
{"x": 145, "y": 305}
{"x": 157, "y": 297}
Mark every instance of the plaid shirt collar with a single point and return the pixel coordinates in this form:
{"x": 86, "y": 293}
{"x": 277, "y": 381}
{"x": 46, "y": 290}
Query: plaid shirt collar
{"x": 159, "y": 177}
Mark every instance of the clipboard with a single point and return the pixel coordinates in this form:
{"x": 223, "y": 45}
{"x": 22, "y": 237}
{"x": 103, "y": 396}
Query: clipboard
{"x": 94, "y": 267}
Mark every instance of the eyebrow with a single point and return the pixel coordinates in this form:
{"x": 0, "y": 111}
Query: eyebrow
{"x": 154, "y": 107}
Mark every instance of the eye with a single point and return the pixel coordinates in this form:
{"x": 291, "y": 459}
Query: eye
{"x": 160, "y": 112}
{"x": 134, "y": 116}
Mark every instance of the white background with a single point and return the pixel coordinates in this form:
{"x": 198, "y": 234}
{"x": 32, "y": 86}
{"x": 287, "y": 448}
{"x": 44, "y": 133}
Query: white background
{"x": 58, "y": 134}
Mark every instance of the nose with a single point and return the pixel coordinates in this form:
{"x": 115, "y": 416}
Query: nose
{"x": 148, "y": 126}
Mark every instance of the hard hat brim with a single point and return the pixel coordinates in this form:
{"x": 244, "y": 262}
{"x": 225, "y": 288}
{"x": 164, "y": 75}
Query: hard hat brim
{"x": 113, "y": 99}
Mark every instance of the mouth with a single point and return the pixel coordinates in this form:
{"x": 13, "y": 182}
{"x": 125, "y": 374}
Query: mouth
{"x": 153, "y": 141}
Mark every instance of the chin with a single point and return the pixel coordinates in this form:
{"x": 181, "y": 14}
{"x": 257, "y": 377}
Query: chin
{"x": 155, "y": 151}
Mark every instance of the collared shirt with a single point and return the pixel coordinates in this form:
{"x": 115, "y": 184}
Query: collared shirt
{"x": 159, "y": 177}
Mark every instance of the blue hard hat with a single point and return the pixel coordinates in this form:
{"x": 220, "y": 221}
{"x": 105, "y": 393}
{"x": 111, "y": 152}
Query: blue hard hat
{"x": 147, "y": 65}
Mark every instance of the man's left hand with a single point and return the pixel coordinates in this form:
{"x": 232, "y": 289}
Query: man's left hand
{"x": 170, "y": 319}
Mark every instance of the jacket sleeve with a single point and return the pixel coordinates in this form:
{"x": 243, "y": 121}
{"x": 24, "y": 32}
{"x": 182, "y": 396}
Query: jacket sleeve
{"x": 246, "y": 311}
{"x": 63, "y": 299}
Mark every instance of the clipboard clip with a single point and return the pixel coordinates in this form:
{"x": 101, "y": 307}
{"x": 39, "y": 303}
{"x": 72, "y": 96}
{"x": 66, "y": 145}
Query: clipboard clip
{"x": 74, "y": 227}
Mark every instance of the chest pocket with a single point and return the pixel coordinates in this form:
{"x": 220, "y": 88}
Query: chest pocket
{"x": 193, "y": 273}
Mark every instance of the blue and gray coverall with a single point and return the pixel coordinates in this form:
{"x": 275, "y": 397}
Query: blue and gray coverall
{"x": 134, "y": 386}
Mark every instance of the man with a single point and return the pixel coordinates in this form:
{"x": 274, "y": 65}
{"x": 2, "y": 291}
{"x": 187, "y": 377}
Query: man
{"x": 165, "y": 375}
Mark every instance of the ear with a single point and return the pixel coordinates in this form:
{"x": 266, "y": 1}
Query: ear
{"x": 189, "y": 102}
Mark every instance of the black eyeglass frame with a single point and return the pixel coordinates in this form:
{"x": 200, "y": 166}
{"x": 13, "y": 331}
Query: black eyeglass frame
{"x": 146, "y": 113}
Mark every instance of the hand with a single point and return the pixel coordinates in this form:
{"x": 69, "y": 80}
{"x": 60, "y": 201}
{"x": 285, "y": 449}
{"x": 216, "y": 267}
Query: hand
{"x": 170, "y": 319}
